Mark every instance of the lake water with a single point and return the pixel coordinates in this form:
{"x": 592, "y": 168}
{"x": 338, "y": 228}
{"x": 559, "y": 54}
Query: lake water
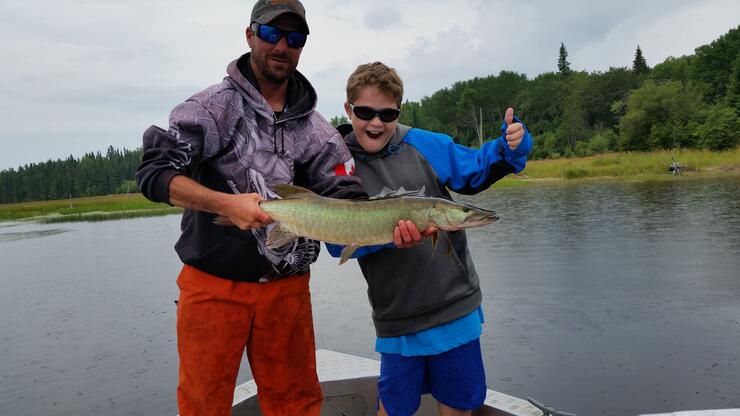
{"x": 601, "y": 298}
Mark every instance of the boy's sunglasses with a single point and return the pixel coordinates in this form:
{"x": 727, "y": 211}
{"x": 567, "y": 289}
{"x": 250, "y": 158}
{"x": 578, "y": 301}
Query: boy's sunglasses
{"x": 271, "y": 34}
{"x": 368, "y": 113}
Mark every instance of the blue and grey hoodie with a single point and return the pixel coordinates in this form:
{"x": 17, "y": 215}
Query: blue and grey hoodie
{"x": 414, "y": 289}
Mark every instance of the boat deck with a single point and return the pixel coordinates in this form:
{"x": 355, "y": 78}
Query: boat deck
{"x": 349, "y": 386}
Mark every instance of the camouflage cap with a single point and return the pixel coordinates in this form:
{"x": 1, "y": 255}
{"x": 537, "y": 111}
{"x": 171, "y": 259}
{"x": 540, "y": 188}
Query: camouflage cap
{"x": 264, "y": 11}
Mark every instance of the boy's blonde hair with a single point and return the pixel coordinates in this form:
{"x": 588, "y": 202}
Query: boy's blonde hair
{"x": 377, "y": 75}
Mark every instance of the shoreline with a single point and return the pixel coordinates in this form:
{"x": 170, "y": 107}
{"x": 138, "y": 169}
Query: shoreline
{"x": 629, "y": 167}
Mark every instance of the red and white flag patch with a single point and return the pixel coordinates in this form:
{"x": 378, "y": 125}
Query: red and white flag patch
{"x": 346, "y": 168}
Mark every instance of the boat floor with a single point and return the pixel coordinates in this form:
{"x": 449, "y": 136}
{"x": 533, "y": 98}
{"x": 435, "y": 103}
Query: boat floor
{"x": 349, "y": 384}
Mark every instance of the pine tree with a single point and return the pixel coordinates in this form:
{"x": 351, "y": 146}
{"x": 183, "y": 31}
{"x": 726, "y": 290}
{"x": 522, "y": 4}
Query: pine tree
{"x": 563, "y": 64}
{"x": 639, "y": 65}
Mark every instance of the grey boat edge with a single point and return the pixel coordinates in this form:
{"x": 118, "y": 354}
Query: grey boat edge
{"x": 349, "y": 386}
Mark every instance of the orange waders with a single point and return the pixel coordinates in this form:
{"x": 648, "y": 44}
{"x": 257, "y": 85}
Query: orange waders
{"x": 218, "y": 318}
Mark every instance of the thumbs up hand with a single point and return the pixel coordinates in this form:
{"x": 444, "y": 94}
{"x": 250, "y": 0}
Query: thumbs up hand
{"x": 514, "y": 131}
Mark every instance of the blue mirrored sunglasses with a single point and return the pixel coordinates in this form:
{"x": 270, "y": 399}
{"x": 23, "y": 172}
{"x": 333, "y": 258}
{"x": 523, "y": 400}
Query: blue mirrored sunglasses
{"x": 271, "y": 34}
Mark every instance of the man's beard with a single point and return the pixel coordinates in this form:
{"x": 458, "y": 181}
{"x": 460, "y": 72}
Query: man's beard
{"x": 277, "y": 77}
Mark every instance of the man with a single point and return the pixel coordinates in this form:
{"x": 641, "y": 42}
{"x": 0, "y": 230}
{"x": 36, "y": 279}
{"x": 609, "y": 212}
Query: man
{"x": 225, "y": 148}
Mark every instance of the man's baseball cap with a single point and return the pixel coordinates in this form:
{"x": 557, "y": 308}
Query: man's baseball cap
{"x": 264, "y": 11}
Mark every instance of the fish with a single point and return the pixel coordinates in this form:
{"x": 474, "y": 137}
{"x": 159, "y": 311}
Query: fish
{"x": 358, "y": 223}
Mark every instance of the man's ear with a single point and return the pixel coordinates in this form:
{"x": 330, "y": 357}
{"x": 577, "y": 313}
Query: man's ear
{"x": 348, "y": 110}
{"x": 249, "y": 34}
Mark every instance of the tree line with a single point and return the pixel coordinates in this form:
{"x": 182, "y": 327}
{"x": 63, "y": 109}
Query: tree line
{"x": 690, "y": 102}
{"x": 92, "y": 174}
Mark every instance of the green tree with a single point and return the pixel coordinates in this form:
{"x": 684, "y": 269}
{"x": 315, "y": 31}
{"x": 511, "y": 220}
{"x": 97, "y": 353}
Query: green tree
{"x": 659, "y": 116}
{"x": 409, "y": 113}
{"x": 714, "y": 64}
{"x": 574, "y": 126}
{"x": 720, "y": 130}
{"x": 563, "y": 64}
{"x": 732, "y": 98}
{"x": 639, "y": 65}
{"x": 674, "y": 69}
{"x": 541, "y": 103}
{"x": 339, "y": 120}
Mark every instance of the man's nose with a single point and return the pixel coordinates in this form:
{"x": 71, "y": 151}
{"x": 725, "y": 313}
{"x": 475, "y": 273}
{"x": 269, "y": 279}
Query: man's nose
{"x": 282, "y": 44}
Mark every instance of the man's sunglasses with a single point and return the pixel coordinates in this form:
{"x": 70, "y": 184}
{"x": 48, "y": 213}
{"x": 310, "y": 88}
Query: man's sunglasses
{"x": 271, "y": 34}
{"x": 368, "y": 113}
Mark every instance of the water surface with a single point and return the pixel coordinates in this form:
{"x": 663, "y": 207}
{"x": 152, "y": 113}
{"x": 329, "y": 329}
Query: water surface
{"x": 601, "y": 298}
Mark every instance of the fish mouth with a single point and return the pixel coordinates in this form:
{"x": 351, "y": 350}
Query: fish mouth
{"x": 480, "y": 216}
{"x": 482, "y": 220}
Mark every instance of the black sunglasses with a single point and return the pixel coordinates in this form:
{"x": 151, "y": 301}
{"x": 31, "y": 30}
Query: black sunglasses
{"x": 271, "y": 34}
{"x": 368, "y": 113}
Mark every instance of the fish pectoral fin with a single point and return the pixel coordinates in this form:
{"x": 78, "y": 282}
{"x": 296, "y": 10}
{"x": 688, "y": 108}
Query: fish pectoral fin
{"x": 347, "y": 253}
{"x": 435, "y": 239}
{"x": 279, "y": 236}
{"x": 288, "y": 191}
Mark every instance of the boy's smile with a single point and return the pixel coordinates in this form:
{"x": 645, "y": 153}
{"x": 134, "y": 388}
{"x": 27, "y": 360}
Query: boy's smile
{"x": 372, "y": 135}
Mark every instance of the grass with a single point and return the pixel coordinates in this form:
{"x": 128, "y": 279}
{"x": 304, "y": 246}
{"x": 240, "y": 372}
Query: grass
{"x": 631, "y": 166}
{"x": 95, "y": 208}
{"x": 634, "y": 164}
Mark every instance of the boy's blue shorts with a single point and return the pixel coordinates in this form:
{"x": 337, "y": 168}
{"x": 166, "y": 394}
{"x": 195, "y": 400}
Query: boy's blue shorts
{"x": 455, "y": 378}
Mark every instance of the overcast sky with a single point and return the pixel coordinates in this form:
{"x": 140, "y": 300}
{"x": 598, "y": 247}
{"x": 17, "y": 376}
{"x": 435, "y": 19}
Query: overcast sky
{"x": 80, "y": 75}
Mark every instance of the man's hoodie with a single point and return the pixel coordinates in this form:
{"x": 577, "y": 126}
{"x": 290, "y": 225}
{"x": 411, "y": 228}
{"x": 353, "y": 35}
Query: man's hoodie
{"x": 228, "y": 138}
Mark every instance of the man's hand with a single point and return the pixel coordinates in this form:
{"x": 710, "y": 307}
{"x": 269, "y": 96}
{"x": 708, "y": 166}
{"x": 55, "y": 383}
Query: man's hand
{"x": 244, "y": 211}
{"x": 514, "y": 131}
{"x": 406, "y": 234}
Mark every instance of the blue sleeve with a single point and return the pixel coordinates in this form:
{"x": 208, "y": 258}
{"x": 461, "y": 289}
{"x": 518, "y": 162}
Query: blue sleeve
{"x": 469, "y": 171}
{"x": 336, "y": 250}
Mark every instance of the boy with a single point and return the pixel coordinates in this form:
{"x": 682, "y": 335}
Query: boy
{"x": 426, "y": 306}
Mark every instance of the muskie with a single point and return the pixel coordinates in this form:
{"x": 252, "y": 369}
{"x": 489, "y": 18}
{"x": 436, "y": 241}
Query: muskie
{"x": 302, "y": 213}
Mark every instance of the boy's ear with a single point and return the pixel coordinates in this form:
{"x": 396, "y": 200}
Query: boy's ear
{"x": 348, "y": 110}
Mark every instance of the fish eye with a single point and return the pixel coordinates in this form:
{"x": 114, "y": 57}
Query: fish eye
{"x": 466, "y": 209}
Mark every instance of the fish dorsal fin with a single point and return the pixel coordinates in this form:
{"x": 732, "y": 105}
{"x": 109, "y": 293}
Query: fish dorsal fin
{"x": 288, "y": 191}
{"x": 387, "y": 193}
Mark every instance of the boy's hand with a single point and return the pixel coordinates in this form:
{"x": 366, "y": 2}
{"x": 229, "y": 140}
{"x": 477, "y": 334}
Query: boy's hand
{"x": 406, "y": 234}
{"x": 515, "y": 131}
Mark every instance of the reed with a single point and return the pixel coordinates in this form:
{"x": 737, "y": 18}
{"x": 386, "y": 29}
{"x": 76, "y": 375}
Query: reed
{"x": 82, "y": 208}
{"x": 633, "y": 164}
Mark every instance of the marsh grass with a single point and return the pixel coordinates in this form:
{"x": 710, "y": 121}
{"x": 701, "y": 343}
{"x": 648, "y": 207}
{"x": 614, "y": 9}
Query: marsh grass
{"x": 634, "y": 164}
{"x": 96, "y": 208}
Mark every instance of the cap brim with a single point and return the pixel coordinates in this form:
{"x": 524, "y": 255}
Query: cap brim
{"x": 270, "y": 16}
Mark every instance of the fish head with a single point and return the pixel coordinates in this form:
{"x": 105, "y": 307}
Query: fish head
{"x": 452, "y": 216}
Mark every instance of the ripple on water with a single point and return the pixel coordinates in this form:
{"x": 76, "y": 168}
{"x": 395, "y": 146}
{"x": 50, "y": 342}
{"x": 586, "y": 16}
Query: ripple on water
{"x": 5, "y": 237}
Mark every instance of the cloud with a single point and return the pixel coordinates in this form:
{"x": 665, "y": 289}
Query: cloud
{"x": 81, "y": 75}
{"x": 379, "y": 18}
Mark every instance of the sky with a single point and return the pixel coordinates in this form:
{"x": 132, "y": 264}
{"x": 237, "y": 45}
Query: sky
{"x": 81, "y": 75}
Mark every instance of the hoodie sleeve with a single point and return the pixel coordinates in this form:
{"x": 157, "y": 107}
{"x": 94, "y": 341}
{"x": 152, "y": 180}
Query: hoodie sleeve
{"x": 469, "y": 171}
{"x": 192, "y": 136}
{"x": 336, "y": 250}
{"x": 326, "y": 165}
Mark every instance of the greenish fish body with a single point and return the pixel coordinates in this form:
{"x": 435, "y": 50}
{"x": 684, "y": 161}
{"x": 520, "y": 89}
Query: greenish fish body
{"x": 302, "y": 213}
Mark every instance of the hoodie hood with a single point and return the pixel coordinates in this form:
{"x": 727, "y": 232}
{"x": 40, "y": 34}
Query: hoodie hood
{"x": 301, "y": 97}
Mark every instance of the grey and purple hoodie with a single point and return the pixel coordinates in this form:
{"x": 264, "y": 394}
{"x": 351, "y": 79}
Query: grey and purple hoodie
{"x": 227, "y": 138}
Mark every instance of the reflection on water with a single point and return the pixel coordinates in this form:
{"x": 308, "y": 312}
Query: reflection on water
{"x": 601, "y": 298}
{"x": 28, "y": 234}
